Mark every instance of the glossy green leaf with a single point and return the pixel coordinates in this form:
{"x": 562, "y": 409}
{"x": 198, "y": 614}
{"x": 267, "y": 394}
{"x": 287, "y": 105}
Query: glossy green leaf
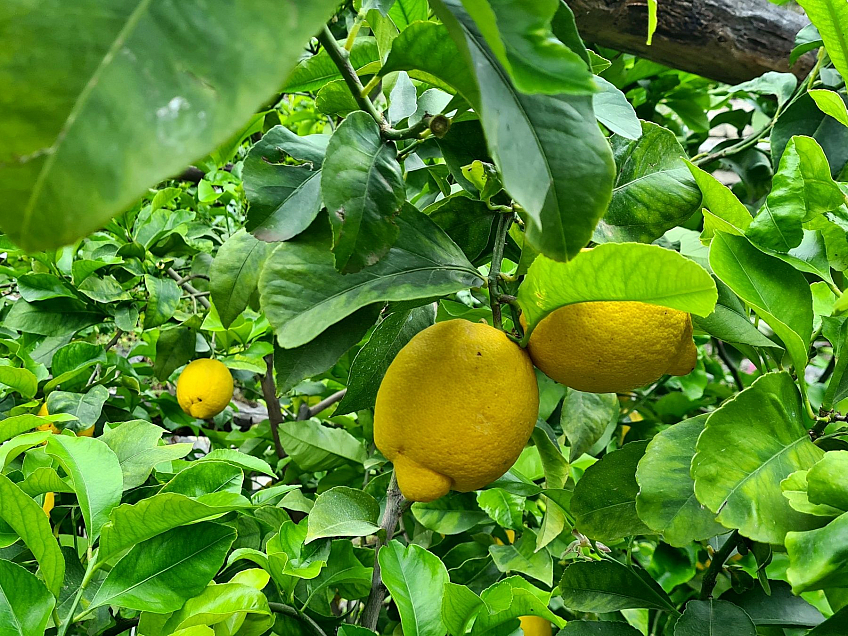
{"x": 470, "y": 223}
{"x": 343, "y": 512}
{"x": 604, "y": 503}
{"x": 313, "y": 446}
{"x": 96, "y": 474}
{"x": 522, "y": 557}
{"x": 175, "y": 347}
{"x": 614, "y": 111}
{"x": 342, "y": 572}
{"x": 833, "y": 626}
{"x": 818, "y": 559}
{"x": 25, "y": 604}
{"x": 235, "y": 274}
{"x": 778, "y": 292}
{"x": 29, "y": 522}
{"x": 203, "y": 478}
{"x": 794, "y": 489}
{"x": 749, "y": 445}
{"x": 552, "y": 157}
{"x": 653, "y": 191}
{"x": 666, "y": 501}
{"x": 507, "y": 600}
{"x": 598, "y": 628}
{"x": 830, "y": 18}
{"x": 248, "y": 463}
{"x": 85, "y": 407}
{"x": 827, "y": 480}
{"x": 51, "y": 319}
{"x": 609, "y": 586}
{"x": 160, "y": 574}
{"x": 779, "y": 608}
{"x": 586, "y": 417}
{"x": 163, "y": 296}
{"x": 705, "y": 618}
{"x": 363, "y": 189}
{"x": 315, "y": 71}
{"x": 831, "y": 104}
{"x": 136, "y": 444}
{"x": 416, "y": 580}
{"x": 615, "y": 271}
{"x": 21, "y": 380}
{"x": 43, "y": 480}
{"x": 289, "y": 555}
{"x": 221, "y": 605}
{"x": 460, "y": 605}
{"x": 17, "y": 424}
{"x": 303, "y": 294}
{"x": 803, "y": 117}
{"x": 452, "y": 514}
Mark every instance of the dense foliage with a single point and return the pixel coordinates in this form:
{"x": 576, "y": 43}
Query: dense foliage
{"x": 414, "y": 163}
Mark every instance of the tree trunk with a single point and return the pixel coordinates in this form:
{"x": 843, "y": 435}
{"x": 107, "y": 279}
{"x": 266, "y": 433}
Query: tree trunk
{"x": 727, "y": 40}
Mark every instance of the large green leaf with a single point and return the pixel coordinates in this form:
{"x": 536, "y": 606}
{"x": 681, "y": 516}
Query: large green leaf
{"x": 778, "y": 292}
{"x": 749, "y": 445}
{"x": 25, "y": 604}
{"x": 604, "y": 503}
{"x": 60, "y": 182}
{"x": 163, "y": 296}
{"x": 818, "y": 559}
{"x": 598, "y": 628}
{"x": 779, "y": 607}
{"x": 52, "y": 318}
{"x": 160, "y": 574}
{"x": 452, "y": 514}
{"x": 830, "y": 18}
{"x": 136, "y": 444}
{"x": 586, "y": 418}
{"x": 204, "y": 478}
{"x": 614, "y": 111}
{"x": 827, "y": 481}
{"x": 21, "y": 380}
{"x": 522, "y": 557}
{"x": 303, "y": 294}
{"x": 343, "y": 512}
{"x": 616, "y": 271}
{"x": 96, "y": 473}
{"x": 313, "y": 446}
{"x": 833, "y": 626}
{"x": 830, "y": 103}
{"x": 609, "y": 586}
{"x": 653, "y": 191}
{"x": 416, "y": 580}
{"x": 234, "y": 274}
{"x": 460, "y": 605}
{"x": 315, "y": 71}
{"x": 29, "y": 522}
{"x": 506, "y": 601}
{"x": 85, "y": 407}
{"x": 363, "y": 189}
{"x": 550, "y": 152}
{"x": 803, "y": 117}
{"x": 666, "y": 501}
{"x": 705, "y": 618}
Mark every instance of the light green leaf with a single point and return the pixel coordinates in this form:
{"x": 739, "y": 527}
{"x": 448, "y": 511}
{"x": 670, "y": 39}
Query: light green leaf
{"x": 244, "y": 461}
{"x": 42, "y": 480}
{"x": 506, "y": 601}
{"x": 136, "y": 444}
{"x": 522, "y": 557}
{"x": 614, "y": 111}
{"x": 616, "y": 271}
{"x": 343, "y": 512}
{"x": 313, "y": 446}
{"x": 315, "y": 71}
{"x": 206, "y": 477}
{"x": 749, "y": 445}
{"x": 452, "y": 514}
{"x": 727, "y": 212}
{"x": 25, "y": 604}
{"x": 234, "y": 274}
{"x": 21, "y": 380}
{"x": 831, "y": 104}
{"x": 827, "y": 481}
{"x": 221, "y": 605}
{"x": 503, "y": 507}
{"x": 460, "y": 605}
{"x": 830, "y": 18}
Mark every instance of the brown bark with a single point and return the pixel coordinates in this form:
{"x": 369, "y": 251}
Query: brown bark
{"x": 727, "y": 40}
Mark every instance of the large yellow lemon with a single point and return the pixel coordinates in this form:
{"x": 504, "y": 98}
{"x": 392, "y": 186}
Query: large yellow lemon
{"x": 535, "y": 626}
{"x": 50, "y": 426}
{"x": 455, "y": 409}
{"x": 611, "y": 347}
{"x": 204, "y": 388}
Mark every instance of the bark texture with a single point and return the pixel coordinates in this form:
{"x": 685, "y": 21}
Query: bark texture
{"x": 727, "y": 40}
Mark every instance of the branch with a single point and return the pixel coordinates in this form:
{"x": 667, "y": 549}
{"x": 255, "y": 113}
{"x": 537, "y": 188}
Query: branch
{"x": 191, "y": 289}
{"x": 395, "y": 505}
{"x": 325, "y": 403}
{"x": 275, "y": 412}
{"x": 279, "y": 608}
{"x": 717, "y": 563}
{"x": 504, "y": 221}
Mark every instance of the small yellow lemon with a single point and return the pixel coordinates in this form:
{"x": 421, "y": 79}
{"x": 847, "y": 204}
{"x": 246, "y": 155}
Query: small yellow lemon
{"x": 49, "y": 502}
{"x": 614, "y": 346}
{"x": 455, "y": 409}
{"x": 50, "y": 426}
{"x": 204, "y": 388}
{"x": 535, "y": 626}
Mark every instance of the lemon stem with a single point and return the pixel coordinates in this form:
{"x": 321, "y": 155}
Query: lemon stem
{"x": 504, "y": 221}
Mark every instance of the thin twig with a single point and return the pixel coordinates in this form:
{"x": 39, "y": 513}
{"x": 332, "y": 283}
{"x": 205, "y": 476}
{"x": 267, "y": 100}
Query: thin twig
{"x": 191, "y": 289}
{"x": 722, "y": 353}
{"x": 395, "y": 504}
{"x": 325, "y": 404}
{"x": 280, "y": 608}
{"x": 504, "y": 221}
{"x": 716, "y": 565}
{"x": 275, "y": 412}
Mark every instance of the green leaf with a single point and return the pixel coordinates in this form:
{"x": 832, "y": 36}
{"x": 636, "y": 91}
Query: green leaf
{"x": 234, "y": 274}
{"x": 163, "y": 296}
{"x": 730, "y": 323}
{"x": 174, "y": 348}
{"x": 522, "y": 557}
{"x": 160, "y": 574}
{"x": 818, "y": 559}
{"x": 96, "y": 474}
{"x": 246, "y": 462}
{"x": 831, "y": 104}
{"x": 604, "y": 503}
{"x": 548, "y": 148}
{"x": 749, "y": 445}
{"x": 779, "y": 608}
{"x": 830, "y": 18}
{"x": 803, "y": 117}
{"x": 585, "y": 419}
{"x": 794, "y": 489}
{"x": 554, "y": 463}
{"x": 779, "y": 293}
{"x": 47, "y": 319}
{"x": 343, "y": 512}
{"x": 833, "y": 626}
{"x": 289, "y": 556}
{"x": 704, "y": 618}
{"x": 373, "y": 359}
{"x": 452, "y": 514}
{"x": 29, "y": 522}
{"x": 36, "y": 287}
{"x": 319, "y": 355}
{"x": 85, "y": 407}
{"x": 220, "y": 605}
{"x": 17, "y": 424}
{"x": 315, "y": 71}
{"x": 460, "y": 605}
{"x": 503, "y": 507}
{"x": 405, "y": 12}
{"x": 25, "y": 604}
{"x": 614, "y": 111}
{"x": 73, "y": 360}
{"x": 506, "y": 601}
{"x": 203, "y": 478}
{"x": 136, "y": 444}
{"x": 43, "y": 480}
{"x": 827, "y": 480}
{"x": 598, "y": 628}
{"x": 62, "y": 183}
{"x": 519, "y": 34}
{"x": 470, "y": 223}
{"x": 315, "y": 447}
{"x": 666, "y": 501}
{"x": 610, "y": 586}
{"x": 403, "y": 100}
{"x": 416, "y": 580}
{"x": 342, "y": 572}
{"x": 21, "y": 380}
{"x": 653, "y": 191}
{"x": 302, "y": 293}
{"x": 363, "y": 189}
{"x": 131, "y": 524}
{"x": 616, "y": 271}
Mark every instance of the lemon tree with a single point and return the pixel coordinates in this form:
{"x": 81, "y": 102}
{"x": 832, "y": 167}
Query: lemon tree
{"x": 420, "y": 317}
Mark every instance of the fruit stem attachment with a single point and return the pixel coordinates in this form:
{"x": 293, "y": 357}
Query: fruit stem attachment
{"x": 395, "y": 505}
{"x": 504, "y": 221}
{"x": 717, "y": 563}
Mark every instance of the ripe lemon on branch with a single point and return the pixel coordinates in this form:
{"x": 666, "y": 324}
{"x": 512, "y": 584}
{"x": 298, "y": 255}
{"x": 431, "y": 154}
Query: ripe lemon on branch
{"x": 204, "y": 388}
{"x": 455, "y": 409}
{"x": 613, "y": 346}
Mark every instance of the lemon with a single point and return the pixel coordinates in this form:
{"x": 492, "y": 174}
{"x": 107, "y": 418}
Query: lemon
{"x": 613, "y": 346}
{"x": 535, "y": 626}
{"x": 455, "y": 409}
{"x": 50, "y": 426}
{"x": 49, "y": 502}
{"x": 204, "y": 388}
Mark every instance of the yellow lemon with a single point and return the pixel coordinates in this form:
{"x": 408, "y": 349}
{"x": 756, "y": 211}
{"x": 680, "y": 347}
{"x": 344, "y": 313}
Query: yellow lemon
{"x": 510, "y": 535}
{"x": 611, "y": 347}
{"x": 455, "y": 409}
{"x": 204, "y": 388}
{"x": 49, "y": 502}
{"x": 50, "y": 426}
{"x": 535, "y": 626}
